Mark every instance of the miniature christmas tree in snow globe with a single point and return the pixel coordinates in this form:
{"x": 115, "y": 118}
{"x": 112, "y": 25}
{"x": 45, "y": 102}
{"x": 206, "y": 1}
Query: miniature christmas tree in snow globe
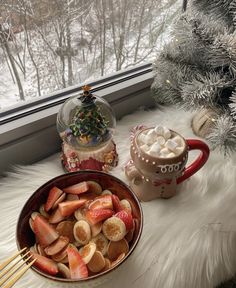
{"x": 86, "y": 124}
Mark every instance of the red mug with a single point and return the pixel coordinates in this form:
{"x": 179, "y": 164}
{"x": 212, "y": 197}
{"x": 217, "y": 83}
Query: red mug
{"x": 156, "y": 177}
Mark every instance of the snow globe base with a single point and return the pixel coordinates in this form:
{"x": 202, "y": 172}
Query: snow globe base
{"x": 102, "y": 158}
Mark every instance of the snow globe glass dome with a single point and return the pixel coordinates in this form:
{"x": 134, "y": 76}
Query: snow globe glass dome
{"x": 86, "y": 124}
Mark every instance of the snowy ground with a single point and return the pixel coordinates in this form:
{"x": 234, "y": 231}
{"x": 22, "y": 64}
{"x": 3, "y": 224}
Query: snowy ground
{"x": 82, "y": 71}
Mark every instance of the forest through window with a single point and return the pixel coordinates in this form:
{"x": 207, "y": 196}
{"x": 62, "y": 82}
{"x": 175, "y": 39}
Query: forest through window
{"x": 46, "y": 46}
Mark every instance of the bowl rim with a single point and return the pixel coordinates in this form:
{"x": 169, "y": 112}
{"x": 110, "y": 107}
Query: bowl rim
{"x": 90, "y": 278}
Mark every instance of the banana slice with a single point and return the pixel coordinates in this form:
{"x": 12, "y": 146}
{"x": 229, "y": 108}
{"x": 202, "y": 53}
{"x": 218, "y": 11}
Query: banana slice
{"x": 119, "y": 258}
{"x": 101, "y": 243}
{"x": 117, "y": 248}
{"x": 82, "y": 232}
{"x": 106, "y": 192}
{"x": 126, "y": 205}
{"x": 97, "y": 263}
{"x": 64, "y": 270}
{"x": 94, "y": 187}
{"x": 114, "y": 229}
{"x": 87, "y": 252}
{"x": 96, "y": 229}
{"x": 79, "y": 214}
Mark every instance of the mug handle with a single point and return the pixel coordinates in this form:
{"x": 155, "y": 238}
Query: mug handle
{"x": 194, "y": 144}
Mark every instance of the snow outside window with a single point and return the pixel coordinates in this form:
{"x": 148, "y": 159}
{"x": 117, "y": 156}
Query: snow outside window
{"x": 47, "y": 46}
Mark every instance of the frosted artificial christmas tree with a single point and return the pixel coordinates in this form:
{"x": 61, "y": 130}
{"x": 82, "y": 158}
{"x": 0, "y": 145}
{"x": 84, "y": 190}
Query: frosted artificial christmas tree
{"x": 197, "y": 69}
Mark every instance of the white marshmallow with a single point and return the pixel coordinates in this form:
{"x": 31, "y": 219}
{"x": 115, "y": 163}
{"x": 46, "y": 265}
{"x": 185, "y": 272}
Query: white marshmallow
{"x": 145, "y": 147}
{"x": 179, "y": 150}
{"x": 159, "y": 130}
{"x": 178, "y": 140}
{"x": 171, "y": 145}
{"x": 160, "y": 140}
{"x": 156, "y": 147}
{"x": 164, "y": 152}
{"x": 152, "y": 133}
{"x": 141, "y": 137}
{"x": 153, "y": 153}
{"x": 171, "y": 155}
{"x": 148, "y": 139}
{"x": 166, "y": 133}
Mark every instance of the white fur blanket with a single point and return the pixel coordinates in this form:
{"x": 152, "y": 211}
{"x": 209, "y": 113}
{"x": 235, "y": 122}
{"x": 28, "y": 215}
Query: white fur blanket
{"x": 187, "y": 241}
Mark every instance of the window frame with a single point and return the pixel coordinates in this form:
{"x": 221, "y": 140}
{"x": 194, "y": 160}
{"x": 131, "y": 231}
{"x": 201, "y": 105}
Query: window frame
{"x": 28, "y": 133}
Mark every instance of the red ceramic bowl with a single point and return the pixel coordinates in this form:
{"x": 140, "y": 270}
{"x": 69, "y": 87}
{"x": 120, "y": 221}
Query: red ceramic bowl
{"x": 25, "y": 237}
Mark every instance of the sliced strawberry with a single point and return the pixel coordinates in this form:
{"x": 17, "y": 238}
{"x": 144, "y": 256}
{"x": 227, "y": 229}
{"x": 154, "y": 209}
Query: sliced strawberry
{"x": 68, "y": 207}
{"x": 104, "y": 201}
{"x": 116, "y": 203}
{"x": 45, "y": 264}
{"x": 44, "y": 232}
{"x": 78, "y": 269}
{"x": 53, "y": 195}
{"x": 77, "y": 188}
{"x": 96, "y": 215}
{"x": 127, "y": 218}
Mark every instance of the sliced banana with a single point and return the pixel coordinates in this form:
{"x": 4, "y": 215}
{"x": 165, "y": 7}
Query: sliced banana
{"x": 64, "y": 270}
{"x": 96, "y": 229}
{"x": 101, "y": 243}
{"x": 94, "y": 187}
{"x": 114, "y": 229}
{"x": 126, "y": 205}
{"x": 82, "y": 232}
{"x": 117, "y": 248}
{"x": 106, "y": 192}
{"x": 87, "y": 252}
{"x": 97, "y": 263}
{"x": 79, "y": 214}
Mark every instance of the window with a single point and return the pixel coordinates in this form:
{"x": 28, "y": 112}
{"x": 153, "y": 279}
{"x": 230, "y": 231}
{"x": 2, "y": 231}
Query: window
{"x": 34, "y": 35}
{"x": 46, "y": 46}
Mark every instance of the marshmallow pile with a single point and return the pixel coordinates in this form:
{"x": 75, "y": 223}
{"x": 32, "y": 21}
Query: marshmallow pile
{"x": 159, "y": 142}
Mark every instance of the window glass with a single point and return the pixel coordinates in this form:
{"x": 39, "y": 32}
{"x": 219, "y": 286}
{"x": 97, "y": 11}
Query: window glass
{"x": 46, "y": 46}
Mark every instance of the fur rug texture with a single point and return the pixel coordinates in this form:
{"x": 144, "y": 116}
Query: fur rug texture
{"x": 187, "y": 241}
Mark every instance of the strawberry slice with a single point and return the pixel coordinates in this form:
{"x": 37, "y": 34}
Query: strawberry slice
{"x": 116, "y": 203}
{"x": 68, "y": 207}
{"x": 102, "y": 202}
{"x": 53, "y": 195}
{"x": 127, "y": 218}
{"x": 45, "y": 264}
{"x": 44, "y": 232}
{"x": 96, "y": 215}
{"x": 78, "y": 269}
{"x": 77, "y": 188}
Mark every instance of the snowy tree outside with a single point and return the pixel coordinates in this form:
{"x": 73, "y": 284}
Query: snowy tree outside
{"x": 46, "y": 46}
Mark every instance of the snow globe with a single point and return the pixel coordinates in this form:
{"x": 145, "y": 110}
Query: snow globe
{"x": 86, "y": 124}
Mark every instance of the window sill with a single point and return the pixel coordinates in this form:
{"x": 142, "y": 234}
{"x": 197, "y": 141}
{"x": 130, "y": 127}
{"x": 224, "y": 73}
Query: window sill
{"x": 33, "y": 136}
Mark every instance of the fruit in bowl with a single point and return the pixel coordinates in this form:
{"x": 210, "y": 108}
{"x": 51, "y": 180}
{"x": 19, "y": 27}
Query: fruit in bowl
{"x": 80, "y": 227}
